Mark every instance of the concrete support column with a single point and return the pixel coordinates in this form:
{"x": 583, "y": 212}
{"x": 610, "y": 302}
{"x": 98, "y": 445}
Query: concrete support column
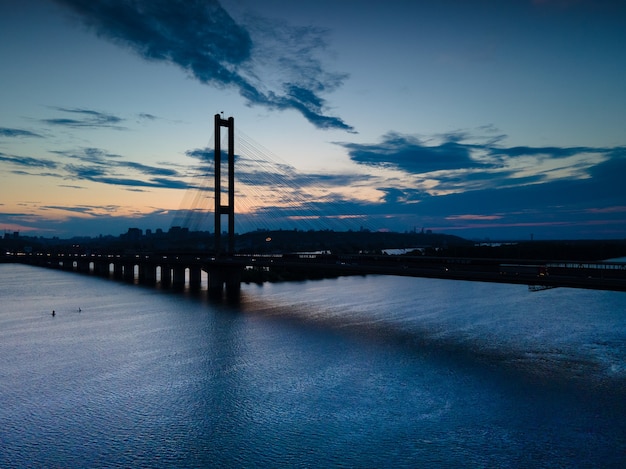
{"x": 195, "y": 277}
{"x": 102, "y": 269}
{"x": 229, "y": 277}
{"x": 233, "y": 283}
{"x": 82, "y": 266}
{"x": 178, "y": 280}
{"x": 166, "y": 276}
{"x": 147, "y": 274}
{"x": 216, "y": 283}
{"x": 129, "y": 272}
{"x": 118, "y": 270}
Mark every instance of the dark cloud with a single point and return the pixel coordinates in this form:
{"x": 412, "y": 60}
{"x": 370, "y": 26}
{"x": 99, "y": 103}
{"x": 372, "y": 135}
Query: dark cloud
{"x": 149, "y": 170}
{"x": 8, "y": 132}
{"x": 552, "y": 152}
{"x": 74, "y": 209}
{"x": 90, "y": 173}
{"x": 85, "y": 118}
{"x": 104, "y": 162}
{"x": 454, "y": 152}
{"x": 609, "y": 177}
{"x": 97, "y": 165}
{"x": 204, "y": 40}
{"x": 162, "y": 183}
{"x": 88, "y": 154}
{"x": 169, "y": 183}
{"x": 103, "y": 167}
{"x": 203, "y": 154}
{"x": 410, "y": 154}
{"x": 402, "y": 196}
{"x": 28, "y": 161}
{"x": 565, "y": 208}
{"x": 494, "y": 190}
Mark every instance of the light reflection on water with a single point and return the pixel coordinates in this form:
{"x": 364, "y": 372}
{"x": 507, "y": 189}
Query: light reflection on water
{"x": 358, "y": 371}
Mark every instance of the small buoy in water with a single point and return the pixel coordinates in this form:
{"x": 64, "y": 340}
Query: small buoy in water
{"x": 53, "y": 313}
{"x": 79, "y": 310}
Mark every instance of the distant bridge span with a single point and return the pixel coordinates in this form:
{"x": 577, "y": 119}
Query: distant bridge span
{"x": 180, "y": 271}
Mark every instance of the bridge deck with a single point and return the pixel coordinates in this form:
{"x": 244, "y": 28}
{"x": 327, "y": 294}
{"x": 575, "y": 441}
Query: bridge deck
{"x": 573, "y": 274}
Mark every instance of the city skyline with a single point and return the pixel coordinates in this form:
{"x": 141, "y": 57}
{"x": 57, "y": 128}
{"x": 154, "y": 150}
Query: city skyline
{"x": 478, "y": 118}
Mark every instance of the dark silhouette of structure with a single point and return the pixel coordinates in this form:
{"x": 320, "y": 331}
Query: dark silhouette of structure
{"x": 228, "y": 209}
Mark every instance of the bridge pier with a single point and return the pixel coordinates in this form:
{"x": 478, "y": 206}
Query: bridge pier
{"x": 224, "y": 277}
{"x": 195, "y": 277}
{"x": 129, "y": 272}
{"x": 166, "y": 276}
{"x": 216, "y": 282}
{"x": 83, "y": 266}
{"x": 178, "y": 280}
{"x": 102, "y": 269}
{"x": 147, "y": 274}
{"x": 233, "y": 284}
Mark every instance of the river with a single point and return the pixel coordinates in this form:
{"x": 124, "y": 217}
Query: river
{"x": 353, "y": 372}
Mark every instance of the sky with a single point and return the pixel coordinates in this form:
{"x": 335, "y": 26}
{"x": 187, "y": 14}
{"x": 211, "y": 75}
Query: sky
{"x": 486, "y": 119}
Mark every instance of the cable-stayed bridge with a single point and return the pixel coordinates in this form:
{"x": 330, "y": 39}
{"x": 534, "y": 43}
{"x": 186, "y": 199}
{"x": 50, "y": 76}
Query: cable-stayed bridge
{"x": 274, "y": 190}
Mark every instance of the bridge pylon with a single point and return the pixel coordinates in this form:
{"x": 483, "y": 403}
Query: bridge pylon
{"x": 228, "y": 208}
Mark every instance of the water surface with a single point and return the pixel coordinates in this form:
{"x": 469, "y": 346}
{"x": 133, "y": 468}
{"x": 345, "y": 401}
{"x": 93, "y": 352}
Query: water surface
{"x": 357, "y": 371}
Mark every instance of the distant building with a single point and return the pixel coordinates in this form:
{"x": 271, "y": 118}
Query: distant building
{"x": 178, "y": 231}
{"x": 133, "y": 234}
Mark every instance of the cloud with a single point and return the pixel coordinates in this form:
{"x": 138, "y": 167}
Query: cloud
{"x": 146, "y": 116}
{"x": 8, "y": 132}
{"x": 28, "y": 161}
{"x": 402, "y": 196}
{"x": 87, "y": 210}
{"x": 103, "y": 167}
{"x": 477, "y": 185}
{"x": 149, "y": 170}
{"x": 96, "y": 175}
{"x": 258, "y": 172}
{"x": 552, "y": 152}
{"x": 85, "y": 118}
{"x": 202, "y": 154}
{"x": 88, "y": 154}
{"x": 408, "y": 153}
{"x": 461, "y": 161}
{"x": 204, "y": 40}
{"x": 97, "y": 165}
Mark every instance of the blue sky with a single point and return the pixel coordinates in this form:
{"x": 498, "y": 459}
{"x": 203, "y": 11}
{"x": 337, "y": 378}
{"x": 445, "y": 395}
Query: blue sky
{"x": 479, "y": 118}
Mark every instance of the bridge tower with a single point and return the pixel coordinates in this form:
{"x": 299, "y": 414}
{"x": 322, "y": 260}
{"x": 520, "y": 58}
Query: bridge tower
{"x": 228, "y": 208}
